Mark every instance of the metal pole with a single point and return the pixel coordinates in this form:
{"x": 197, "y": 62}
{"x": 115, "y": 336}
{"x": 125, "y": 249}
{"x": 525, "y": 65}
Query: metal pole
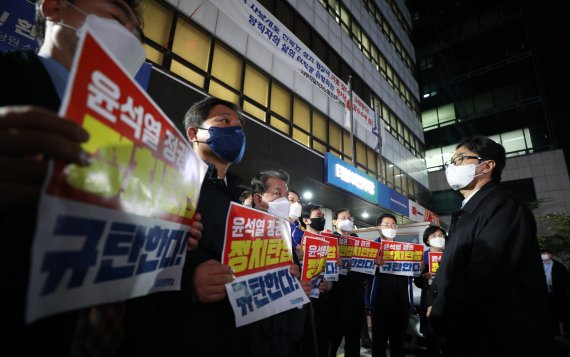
{"x": 351, "y": 121}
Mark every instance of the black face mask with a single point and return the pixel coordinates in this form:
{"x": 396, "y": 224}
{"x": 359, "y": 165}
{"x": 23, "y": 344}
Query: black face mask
{"x": 318, "y": 223}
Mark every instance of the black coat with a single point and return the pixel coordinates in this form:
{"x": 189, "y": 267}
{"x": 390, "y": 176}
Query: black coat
{"x": 490, "y": 289}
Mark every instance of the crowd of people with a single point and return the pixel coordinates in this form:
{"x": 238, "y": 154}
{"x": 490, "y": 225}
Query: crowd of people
{"x": 490, "y": 296}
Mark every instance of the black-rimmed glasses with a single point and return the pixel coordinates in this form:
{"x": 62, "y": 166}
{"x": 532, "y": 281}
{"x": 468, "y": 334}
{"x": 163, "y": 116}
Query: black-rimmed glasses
{"x": 458, "y": 160}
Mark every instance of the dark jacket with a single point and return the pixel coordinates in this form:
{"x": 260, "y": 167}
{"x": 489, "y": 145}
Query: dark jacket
{"x": 490, "y": 285}
{"x": 25, "y": 81}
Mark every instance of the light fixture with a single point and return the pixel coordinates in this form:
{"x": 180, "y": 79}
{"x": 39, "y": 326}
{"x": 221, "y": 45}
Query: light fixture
{"x": 365, "y": 214}
{"x": 307, "y": 195}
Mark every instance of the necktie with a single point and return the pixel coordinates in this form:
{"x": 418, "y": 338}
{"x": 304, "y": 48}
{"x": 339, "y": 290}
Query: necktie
{"x": 104, "y": 329}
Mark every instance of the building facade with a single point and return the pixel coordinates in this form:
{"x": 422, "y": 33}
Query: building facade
{"x": 479, "y": 74}
{"x": 208, "y": 47}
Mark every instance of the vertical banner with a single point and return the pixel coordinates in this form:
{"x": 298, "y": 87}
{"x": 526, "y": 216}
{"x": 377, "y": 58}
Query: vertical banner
{"x": 363, "y": 255}
{"x": 402, "y": 258}
{"x": 117, "y": 228}
{"x": 258, "y": 247}
{"x": 434, "y": 259}
{"x": 268, "y": 31}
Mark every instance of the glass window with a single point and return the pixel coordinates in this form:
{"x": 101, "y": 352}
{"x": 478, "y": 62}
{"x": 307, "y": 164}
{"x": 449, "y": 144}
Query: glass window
{"x": 319, "y": 147}
{"x": 256, "y": 85}
{"x": 192, "y": 44}
{"x": 434, "y": 158}
{"x": 301, "y": 114}
{"x": 252, "y": 109}
{"x": 429, "y": 119}
{"x": 218, "y": 90}
{"x": 335, "y": 136}
{"x": 186, "y": 73}
{"x": 280, "y": 125}
{"x": 346, "y": 149}
{"x": 157, "y": 20}
{"x": 360, "y": 152}
{"x": 280, "y": 101}
{"x": 371, "y": 161}
{"x": 446, "y": 113}
{"x": 301, "y": 137}
{"x": 513, "y": 141}
{"x": 319, "y": 126}
{"x": 483, "y": 102}
{"x": 227, "y": 67}
{"x": 153, "y": 55}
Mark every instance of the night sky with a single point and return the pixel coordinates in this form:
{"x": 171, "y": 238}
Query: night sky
{"x": 550, "y": 33}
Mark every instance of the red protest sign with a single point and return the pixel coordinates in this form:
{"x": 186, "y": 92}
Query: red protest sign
{"x": 255, "y": 241}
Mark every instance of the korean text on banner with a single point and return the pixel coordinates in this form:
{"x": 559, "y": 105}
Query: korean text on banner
{"x": 345, "y": 248}
{"x": 314, "y": 258}
{"x": 278, "y": 40}
{"x": 331, "y": 268}
{"x": 402, "y": 258}
{"x": 258, "y": 248}
{"x": 118, "y": 228}
{"x": 434, "y": 259}
{"x": 363, "y": 255}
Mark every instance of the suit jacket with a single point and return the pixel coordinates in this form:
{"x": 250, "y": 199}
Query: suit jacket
{"x": 490, "y": 285}
{"x": 25, "y": 81}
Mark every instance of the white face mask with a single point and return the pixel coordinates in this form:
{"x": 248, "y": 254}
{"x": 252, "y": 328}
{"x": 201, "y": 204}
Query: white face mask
{"x": 437, "y": 242}
{"x": 389, "y": 233}
{"x": 460, "y": 176}
{"x": 545, "y": 257}
{"x": 280, "y": 207}
{"x": 345, "y": 225}
{"x": 122, "y": 44}
{"x": 295, "y": 210}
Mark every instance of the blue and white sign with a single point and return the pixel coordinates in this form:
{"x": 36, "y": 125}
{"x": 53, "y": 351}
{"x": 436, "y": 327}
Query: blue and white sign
{"x": 342, "y": 175}
{"x": 17, "y": 26}
{"x": 399, "y": 203}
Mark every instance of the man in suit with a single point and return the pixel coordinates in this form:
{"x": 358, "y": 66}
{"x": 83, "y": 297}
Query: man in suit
{"x": 558, "y": 283}
{"x": 489, "y": 295}
{"x": 199, "y": 320}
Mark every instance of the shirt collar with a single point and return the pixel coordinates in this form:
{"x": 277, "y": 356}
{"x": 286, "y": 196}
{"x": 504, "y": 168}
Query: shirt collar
{"x": 469, "y": 197}
{"x": 58, "y": 73}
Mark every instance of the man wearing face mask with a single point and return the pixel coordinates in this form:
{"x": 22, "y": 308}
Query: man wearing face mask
{"x": 434, "y": 238}
{"x": 199, "y": 320}
{"x": 390, "y": 298}
{"x": 31, "y": 133}
{"x": 558, "y": 283}
{"x": 313, "y": 221}
{"x": 490, "y": 285}
{"x": 290, "y": 333}
{"x": 346, "y": 297}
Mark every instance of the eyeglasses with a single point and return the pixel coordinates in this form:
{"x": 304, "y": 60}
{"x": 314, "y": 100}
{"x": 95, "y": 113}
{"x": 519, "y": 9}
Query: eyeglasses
{"x": 458, "y": 160}
{"x": 391, "y": 225}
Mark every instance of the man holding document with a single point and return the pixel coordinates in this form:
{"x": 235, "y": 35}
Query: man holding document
{"x": 31, "y": 134}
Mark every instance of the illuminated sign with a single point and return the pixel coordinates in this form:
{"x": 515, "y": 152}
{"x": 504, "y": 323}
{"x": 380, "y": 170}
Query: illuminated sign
{"x": 342, "y": 175}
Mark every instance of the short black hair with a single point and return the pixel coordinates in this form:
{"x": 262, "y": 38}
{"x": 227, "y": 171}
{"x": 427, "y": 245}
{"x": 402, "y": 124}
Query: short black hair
{"x": 339, "y": 211}
{"x": 198, "y": 112}
{"x": 307, "y": 210}
{"x": 258, "y": 181}
{"x": 244, "y": 196}
{"x": 488, "y": 150}
{"x": 431, "y": 230}
{"x": 298, "y": 195}
{"x": 384, "y": 215}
